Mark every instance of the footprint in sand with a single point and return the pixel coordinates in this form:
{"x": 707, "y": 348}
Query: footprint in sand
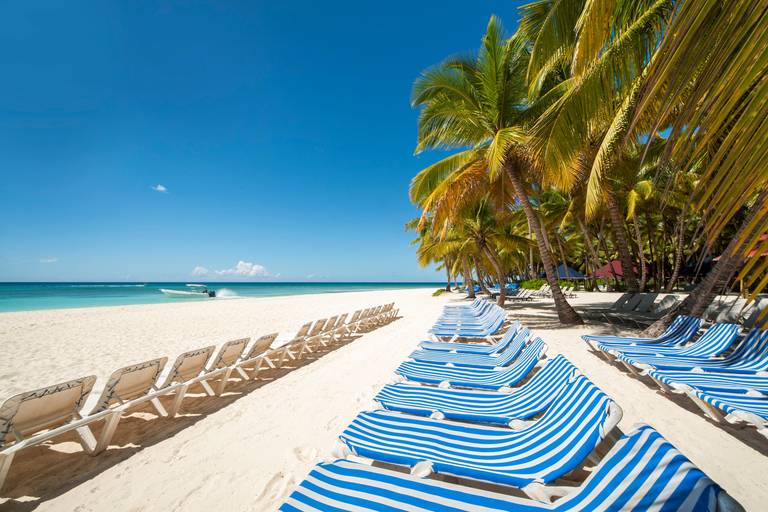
{"x": 305, "y": 454}
{"x": 275, "y": 490}
{"x": 332, "y": 424}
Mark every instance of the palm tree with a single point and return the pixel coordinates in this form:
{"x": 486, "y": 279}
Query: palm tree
{"x": 593, "y": 55}
{"x": 479, "y": 101}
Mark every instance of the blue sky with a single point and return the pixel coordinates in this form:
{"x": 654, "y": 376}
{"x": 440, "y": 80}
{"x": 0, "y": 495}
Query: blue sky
{"x": 281, "y": 133}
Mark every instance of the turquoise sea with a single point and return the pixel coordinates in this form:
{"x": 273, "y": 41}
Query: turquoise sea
{"x": 38, "y": 296}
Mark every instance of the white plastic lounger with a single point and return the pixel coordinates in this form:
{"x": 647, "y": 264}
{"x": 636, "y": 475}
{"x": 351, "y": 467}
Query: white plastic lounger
{"x": 33, "y": 417}
{"x": 578, "y": 420}
{"x": 188, "y": 369}
{"x": 126, "y": 388}
{"x": 254, "y": 357}
{"x": 228, "y": 355}
{"x": 642, "y": 472}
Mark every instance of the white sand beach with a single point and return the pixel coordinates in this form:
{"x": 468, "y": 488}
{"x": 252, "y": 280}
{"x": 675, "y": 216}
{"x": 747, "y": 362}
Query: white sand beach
{"x": 248, "y": 449}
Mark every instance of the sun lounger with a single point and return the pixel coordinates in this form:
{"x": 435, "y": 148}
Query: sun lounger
{"x": 500, "y": 379}
{"x": 472, "y": 348}
{"x": 33, "y": 417}
{"x": 578, "y": 420}
{"x": 682, "y": 381}
{"x": 254, "y": 357}
{"x": 752, "y": 320}
{"x": 741, "y": 405}
{"x": 595, "y": 313}
{"x": 489, "y": 324}
{"x": 512, "y": 349}
{"x": 749, "y": 357}
{"x": 642, "y": 472}
{"x": 229, "y": 353}
{"x": 683, "y": 328}
{"x": 126, "y": 388}
{"x": 713, "y": 342}
{"x": 481, "y": 406}
{"x": 188, "y": 369}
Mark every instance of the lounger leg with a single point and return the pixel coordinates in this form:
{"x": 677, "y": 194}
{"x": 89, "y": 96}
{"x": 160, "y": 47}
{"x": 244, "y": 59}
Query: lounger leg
{"x": 177, "y": 401}
{"x": 159, "y": 407}
{"x": 5, "y": 465}
{"x": 257, "y": 368}
{"x": 107, "y": 432}
{"x": 223, "y": 382}
{"x": 87, "y": 439}
{"x": 708, "y": 409}
{"x": 242, "y": 373}
{"x": 605, "y": 355}
{"x": 662, "y": 385}
{"x": 630, "y": 368}
{"x": 208, "y": 389}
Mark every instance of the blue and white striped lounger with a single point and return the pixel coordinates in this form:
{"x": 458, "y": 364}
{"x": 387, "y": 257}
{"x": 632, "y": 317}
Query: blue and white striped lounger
{"x": 715, "y": 381}
{"x": 572, "y": 427}
{"x": 469, "y": 317}
{"x": 642, "y": 472}
{"x": 748, "y": 405}
{"x": 474, "y": 377}
{"x": 481, "y": 406}
{"x": 483, "y": 326}
{"x": 472, "y": 348}
{"x": 504, "y": 358}
{"x": 749, "y": 357}
{"x": 682, "y": 329}
{"x": 716, "y": 340}
{"x": 470, "y": 312}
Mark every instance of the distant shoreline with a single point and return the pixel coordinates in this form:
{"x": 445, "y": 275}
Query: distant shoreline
{"x": 45, "y": 296}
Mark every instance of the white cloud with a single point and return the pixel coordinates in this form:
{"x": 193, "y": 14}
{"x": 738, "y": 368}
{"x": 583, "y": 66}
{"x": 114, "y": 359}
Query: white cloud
{"x": 310, "y": 276}
{"x": 277, "y": 275}
{"x": 244, "y": 269}
{"x": 160, "y": 188}
{"x": 49, "y": 260}
{"x": 199, "y": 271}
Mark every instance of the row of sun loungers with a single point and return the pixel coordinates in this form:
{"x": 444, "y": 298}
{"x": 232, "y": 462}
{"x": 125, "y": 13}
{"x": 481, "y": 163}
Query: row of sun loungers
{"x": 736, "y": 383}
{"x": 33, "y": 417}
{"x": 531, "y": 433}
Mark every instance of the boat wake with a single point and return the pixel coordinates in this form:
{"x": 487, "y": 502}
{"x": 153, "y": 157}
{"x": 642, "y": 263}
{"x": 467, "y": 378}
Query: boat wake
{"x": 226, "y": 293}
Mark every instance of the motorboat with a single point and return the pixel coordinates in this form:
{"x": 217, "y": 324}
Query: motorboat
{"x": 195, "y": 291}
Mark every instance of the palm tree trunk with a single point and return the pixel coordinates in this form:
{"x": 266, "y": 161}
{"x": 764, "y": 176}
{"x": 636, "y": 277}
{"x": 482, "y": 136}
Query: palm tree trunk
{"x": 608, "y": 286}
{"x": 499, "y": 272}
{"x": 678, "y": 259}
{"x": 651, "y": 246}
{"x": 448, "y": 273}
{"x": 530, "y": 249}
{"x": 630, "y": 280}
{"x": 593, "y": 252}
{"x": 565, "y": 312}
{"x": 717, "y": 279}
{"x": 640, "y": 252}
{"x": 480, "y": 280}
{"x": 467, "y": 278}
{"x": 562, "y": 255}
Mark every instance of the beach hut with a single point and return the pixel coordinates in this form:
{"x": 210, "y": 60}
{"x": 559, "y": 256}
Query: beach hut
{"x": 563, "y": 272}
{"x": 612, "y": 269}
